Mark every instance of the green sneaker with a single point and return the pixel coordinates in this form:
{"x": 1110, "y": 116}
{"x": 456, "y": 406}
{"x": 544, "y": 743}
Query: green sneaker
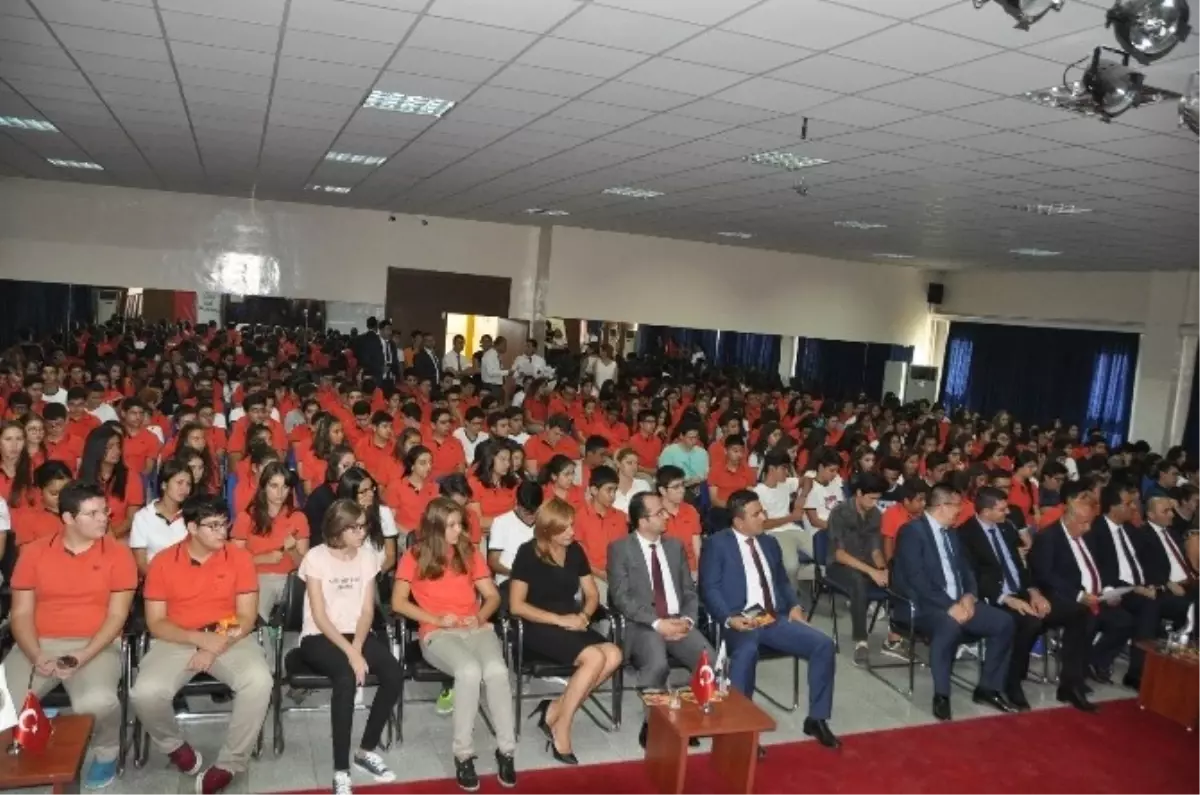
{"x": 445, "y": 702}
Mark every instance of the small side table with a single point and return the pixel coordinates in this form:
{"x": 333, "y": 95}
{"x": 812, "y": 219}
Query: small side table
{"x": 58, "y": 766}
{"x": 1170, "y": 685}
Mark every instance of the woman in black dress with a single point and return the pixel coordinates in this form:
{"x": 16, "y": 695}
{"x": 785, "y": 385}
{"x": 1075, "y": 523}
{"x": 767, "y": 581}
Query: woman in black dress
{"x": 546, "y": 574}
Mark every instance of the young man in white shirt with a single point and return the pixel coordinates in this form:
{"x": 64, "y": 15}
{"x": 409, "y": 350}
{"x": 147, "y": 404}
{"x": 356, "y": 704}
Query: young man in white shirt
{"x": 516, "y": 425}
{"x": 455, "y": 361}
{"x": 825, "y": 494}
{"x": 491, "y": 370}
{"x": 529, "y": 364}
{"x": 605, "y": 368}
{"x": 96, "y": 405}
{"x": 510, "y": 530}
{"x": 776, "y": 491}
{"x": 470, "y": 435}
{"x": 52, "y": 388}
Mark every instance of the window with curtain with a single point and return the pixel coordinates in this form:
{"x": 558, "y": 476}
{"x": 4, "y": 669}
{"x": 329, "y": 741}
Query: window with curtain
{"x": 843, "y": 369}
{"x": 957, "y": 371}
{"x": 749, "y": 351}
{"x": 1108, "y": 399}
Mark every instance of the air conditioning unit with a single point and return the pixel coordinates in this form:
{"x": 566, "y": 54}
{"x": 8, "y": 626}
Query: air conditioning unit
{"x": 921, "y": 384}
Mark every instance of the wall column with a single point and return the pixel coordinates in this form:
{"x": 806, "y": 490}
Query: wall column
{"x": 1164, "y": 359}
{"x": 787, "y": 358}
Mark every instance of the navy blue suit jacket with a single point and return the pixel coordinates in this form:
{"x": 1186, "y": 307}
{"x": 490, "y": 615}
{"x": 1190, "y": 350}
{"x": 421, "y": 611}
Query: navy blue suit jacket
{"x": 917, "y": 567}
{"x": 723, "y": 577}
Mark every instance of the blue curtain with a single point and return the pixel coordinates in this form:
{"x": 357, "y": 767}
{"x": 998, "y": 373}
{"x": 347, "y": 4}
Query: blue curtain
{"x": 41, "y": 307}
{"x": 841, "y": 369}
{"x": 1040, "y": 374}
{"x": 651, "y": 338}
{"x": 749, "y": 351}
{"x": 1191, "y": 429}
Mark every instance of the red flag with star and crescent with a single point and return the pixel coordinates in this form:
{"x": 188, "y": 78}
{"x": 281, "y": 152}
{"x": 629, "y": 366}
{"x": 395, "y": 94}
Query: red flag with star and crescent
{"x": 32, "y": 731}
{"x": 704, "y": 680}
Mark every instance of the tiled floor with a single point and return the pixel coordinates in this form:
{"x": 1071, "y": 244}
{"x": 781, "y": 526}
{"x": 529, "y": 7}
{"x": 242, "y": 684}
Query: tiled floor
{"x": 860, "y": 704}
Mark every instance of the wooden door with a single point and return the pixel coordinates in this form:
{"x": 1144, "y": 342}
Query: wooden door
{"x": 418, "y": 299}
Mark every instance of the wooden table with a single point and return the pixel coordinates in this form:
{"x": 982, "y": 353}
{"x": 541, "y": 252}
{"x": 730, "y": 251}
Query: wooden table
{"x": 1170, "y": 685}
{"x": 58, "y": 766}
{"x": 734, "y": 725}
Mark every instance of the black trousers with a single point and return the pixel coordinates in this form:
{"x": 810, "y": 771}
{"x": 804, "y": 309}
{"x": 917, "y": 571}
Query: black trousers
{"x": 1076, "y": 622}
{"x": 1144, "y": 614}
{"x": 320, "y": 654}
{"x": 855, "y": 584}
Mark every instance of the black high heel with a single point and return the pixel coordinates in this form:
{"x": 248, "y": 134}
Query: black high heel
{"x": 540, "y": 710}
{"x": 566, "y": 759}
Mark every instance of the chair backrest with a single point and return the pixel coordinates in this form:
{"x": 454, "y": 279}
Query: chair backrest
{"x": 821, "y": 547}
{"x": 230, "y": 488}
{"x": 292, "y": 604}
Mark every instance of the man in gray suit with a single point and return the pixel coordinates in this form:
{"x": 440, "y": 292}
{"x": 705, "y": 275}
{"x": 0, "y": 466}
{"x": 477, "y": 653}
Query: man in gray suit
{"x": 650, "y": 585}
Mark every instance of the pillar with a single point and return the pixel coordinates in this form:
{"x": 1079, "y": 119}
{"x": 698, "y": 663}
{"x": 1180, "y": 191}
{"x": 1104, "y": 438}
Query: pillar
{"x": 1165, "y": 358}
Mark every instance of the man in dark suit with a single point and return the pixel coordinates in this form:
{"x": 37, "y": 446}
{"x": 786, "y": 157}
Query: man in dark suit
{"x": 1166, "y": 565}
{"x": 650, "y": 585}
{"x": 931, "y": 570}
{"x": 993, "y": 547}
{"x": 1065, "y": 571}
{"x": 377, "y": 354}
{"x": 741, "y": 571}
{"x": 425, "y": 363}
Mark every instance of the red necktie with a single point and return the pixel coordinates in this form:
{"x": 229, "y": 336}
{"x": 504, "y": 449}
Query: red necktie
{"x": 1095, "y": 591}
{"x": 656, "y": 580}
{"x": 762, "y": 576}
{"x": 1170, "y": 545}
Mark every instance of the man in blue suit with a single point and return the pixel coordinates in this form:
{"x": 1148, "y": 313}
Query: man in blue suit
{"x": 741, "y": 569}
{"x": 931, "y": 570}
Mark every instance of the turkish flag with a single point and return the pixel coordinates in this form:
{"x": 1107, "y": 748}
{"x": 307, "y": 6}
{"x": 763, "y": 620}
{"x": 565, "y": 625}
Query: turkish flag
{"x": 32, "y": 731}
{"x": 703, "y": 680}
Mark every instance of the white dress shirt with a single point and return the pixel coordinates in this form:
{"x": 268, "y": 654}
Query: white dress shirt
{"x": 529, "y": 366}
{"x": 1091, "y": 585}
{"x": 602, "y": 371}
{"x": 454, "y": 362}
{"x": 622, "y": 500}
{"x": 490, "y": 370}
{"x": 507, "y": 534}
{"x": 1178, "y": 574}
{"x": 467, "y": 444}
{"x": 1125, "y": 571}
{"x": 104, "y": 413}
{"x": 668, "y": 580}
{"x": 152, "y": 532}
{"x": 754, "y": 592}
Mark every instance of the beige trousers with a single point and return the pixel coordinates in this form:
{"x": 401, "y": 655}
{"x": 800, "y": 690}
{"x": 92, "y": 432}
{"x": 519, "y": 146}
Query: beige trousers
{"x": 474, "y": 658}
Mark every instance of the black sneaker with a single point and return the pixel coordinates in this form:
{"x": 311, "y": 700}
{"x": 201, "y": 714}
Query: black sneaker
{"x": 464, "y": 774}
{"x": 506, "y": 770}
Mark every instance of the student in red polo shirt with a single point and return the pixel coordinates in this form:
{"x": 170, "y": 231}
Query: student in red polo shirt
{"x": 598, "y": 524}
{"x": 554, "y": 440}
{"x": 71, "y": 596}
{"x": 732, "y": 475}
{"x": 42, "y": 519}
{"x": 359, "y": 428}
{"x": 408, "y": 496}
{"x": 910, "y": 504}
{"x": 647, "y": 443}
{"x": 447, "y": 452}
{"x": 201, "y": 607}
{"x": 141, "y": 446}
{"x": 61, "y": 445}
{"x": 558, "y": 481}
{"x": 374, "y": 452}
{"x": 683, "y": 520}
{"x": 274, "y": 532}
{"x": 257, "y": 413}
{"x": 1023, "y": 493}
{"x": 458, "y": 489}
{"x": 104, "y": 464}
{"x": 79, "y": 421}
{"x": 493, "y": 482}
{"x": 731, "y": 425}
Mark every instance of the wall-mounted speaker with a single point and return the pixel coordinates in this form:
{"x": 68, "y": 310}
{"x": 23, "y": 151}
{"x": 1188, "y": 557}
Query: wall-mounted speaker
{"x": 935, "y": 293}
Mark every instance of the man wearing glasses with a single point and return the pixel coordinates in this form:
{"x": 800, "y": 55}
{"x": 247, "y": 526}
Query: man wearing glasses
{"x": 201, "y": 606}
{"x": 71, "y": 595}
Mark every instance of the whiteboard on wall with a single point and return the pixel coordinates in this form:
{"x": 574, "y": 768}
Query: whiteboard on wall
{"x": 345, "y": 315}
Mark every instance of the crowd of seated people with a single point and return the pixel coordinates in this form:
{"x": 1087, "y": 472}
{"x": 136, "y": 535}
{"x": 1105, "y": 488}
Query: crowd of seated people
{"x": 207, "y": 469}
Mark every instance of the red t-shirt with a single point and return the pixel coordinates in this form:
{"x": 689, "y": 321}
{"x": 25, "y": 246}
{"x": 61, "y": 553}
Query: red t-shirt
{"x": 453, "y": 593}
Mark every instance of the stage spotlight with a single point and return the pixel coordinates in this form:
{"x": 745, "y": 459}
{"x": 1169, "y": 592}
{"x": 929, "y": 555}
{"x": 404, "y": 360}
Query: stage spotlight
{"x": 1112, "y": 85}
{"x": 1026, "y": 12}
{"x": 1149, "y": 29}
{"x": 1189, "y": 104}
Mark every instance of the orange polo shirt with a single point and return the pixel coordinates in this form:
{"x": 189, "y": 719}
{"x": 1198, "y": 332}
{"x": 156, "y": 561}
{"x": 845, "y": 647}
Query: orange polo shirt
{"x": 119, "y": 505}
{"x": 68, "y": 449}
{"x": 595, "y": 532}
{"x": 1023, "y": 496}
{"x": 538, "y": 450}
{"x": 71, "y": 591}
{"x": 408, "y": 502}
{"x": 535, "y": 410}
{"x": 83, "y": 426}
{"x": 684, "y": 526}
{"x": 237, "y": 435}
{"x": 293, "y": 523}
{"x": 378, "y": 461}
{"x": 452, "y": 594}
{"x": 728, "y": 481}
{"x": 648, "y": 450}
{"x": 493, "y": 500}
{"x": 893, "y": 519}
{"x": 576, "y": 495}
{"x": 29, "y": 523}
{"x": 1050, "y": 515}
{"x": 448, "y": 456}
{"x": 200, "y": 594}
{"x": 139, "y": 448}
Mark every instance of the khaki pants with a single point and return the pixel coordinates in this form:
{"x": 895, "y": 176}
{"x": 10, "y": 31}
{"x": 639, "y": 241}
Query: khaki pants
{"x": 92, "y": 688}
{"x": 270, "y": 591}
{"x": 164, "y": 671}
{"x": 792, "y": 543}
{"x": 474, "y": 658}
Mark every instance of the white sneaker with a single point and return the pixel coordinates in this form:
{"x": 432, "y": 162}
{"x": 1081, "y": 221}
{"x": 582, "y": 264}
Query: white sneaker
{"x": 371, "y": 762}
{"x": 342, "y": 784}
{"x": 358, "y": 697}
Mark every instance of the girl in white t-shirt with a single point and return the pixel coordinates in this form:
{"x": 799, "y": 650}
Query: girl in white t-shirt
{"x": 358, "y": 485}
{"x": 159, "y": 524}
{"x": 337, "y": 639}
{"x": 628, "y": 483}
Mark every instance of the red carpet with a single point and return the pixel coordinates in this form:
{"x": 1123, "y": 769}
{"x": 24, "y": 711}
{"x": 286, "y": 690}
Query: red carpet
{"x": 1121, "y": 749}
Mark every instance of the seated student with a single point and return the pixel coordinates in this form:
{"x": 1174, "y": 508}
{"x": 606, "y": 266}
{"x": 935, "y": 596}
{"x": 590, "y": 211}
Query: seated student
{"x": 777, "y": 490}
{"x": 358, "y": 485}
{"x": 554, "y": 440}
{"x": 104, "y": 465}
{"x": 741, "y": 569}
{"x": 257, "y": 413}
{"x": 650, "y": 585}
{"x": 1050, "y": 506}
{"x": 558, "y": 480}
{"x": 856, "y": 560}
{"x": 336, "y": 464}
{"x": 598, "y": 524}
{"x": 374, "y": 451}
{"x": 71, "y": 595}
{"x": 250, "y": 474}
{"x": 730, "y": 475}
{"x": 408, "y": 495}
{"x": 683, "y": 520}
{"x": 493, "y": 482}
{"x": 629, "y": 482}
{"x": 274, "y": 533}
{"x": 61, "y": 445}
{"x": 511, "y": 530}
{"x": 201, "y": 607}
{"x": 160, "y": 524}
{"x": 931, "y": 570}
{"x": 42, "y": 518}
{"x": 443, "y": 584}
{"x": 687, "y": 453}
{"x": 337, "y": 641}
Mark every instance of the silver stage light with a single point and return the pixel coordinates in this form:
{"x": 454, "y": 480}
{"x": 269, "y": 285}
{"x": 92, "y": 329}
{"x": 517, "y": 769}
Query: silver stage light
{"x": 1189, "y": 104}
{"x": 1149, "y": 29}
{"x": 1026, "y": 12}
{"x": 1113, "y": 86}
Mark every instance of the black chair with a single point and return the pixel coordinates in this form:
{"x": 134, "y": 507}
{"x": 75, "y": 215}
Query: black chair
{"x": 290, "y": 668}
{"x": 765, "y": 654}
{"x": 823, "y": 584}
{"x": 619, "y": 623}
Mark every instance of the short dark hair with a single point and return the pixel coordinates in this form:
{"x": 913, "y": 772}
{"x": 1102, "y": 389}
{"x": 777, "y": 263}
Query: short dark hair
{"x": 941, "y": 494}
{"x": 737, "y": 502}
{"x": 988, "y": 497}
{"x": 1053, "y": 469}
{"x": 868, "y": 483}
{"x": 666, "y": 475}
{"x": 911, "y": 489}
{"x": 638, "y": 510}
{"x": 530, "y": 495}
{"x": 54, "y": 411}
{"x": 935, "y": 460}
{"x": 734, "y": 440}
{"x": 594, "y": 443}
{"x": 51, "y": 472}
{"x": 454, "y": 485}
{"x": 602, "y": 476}
{"x": 1110, "y": 496}
{"x": 560, "y": 421}
{"x": 199, "y": 507}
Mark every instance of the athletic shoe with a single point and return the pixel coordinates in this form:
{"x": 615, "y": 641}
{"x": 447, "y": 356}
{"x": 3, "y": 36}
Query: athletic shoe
{"x": 862, "y": 655}
{"x": 897, "y": 648}
{"x": 372, "y": 763}
{"x": 445, "y": 702}
{"x": 1039, "y": 648}
{"x": 464, "y": 774}
{"x": 186, "y": 759}
{"x": 100, "y": 774}
{"x": 506, "y": 770}
{"x": 214, "y": 781}
{"x": 342, "y": 784}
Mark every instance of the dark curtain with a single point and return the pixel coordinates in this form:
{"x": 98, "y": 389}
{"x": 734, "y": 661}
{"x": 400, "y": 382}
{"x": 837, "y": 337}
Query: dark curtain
{"x": 1190, "y": 429}
{"x": 842, "y": 369}
{"x": 41, "y": 308}
{"x": 749, "y": 351}
{"x": 651, "y": 339}
{"x": 1039, "y": 374}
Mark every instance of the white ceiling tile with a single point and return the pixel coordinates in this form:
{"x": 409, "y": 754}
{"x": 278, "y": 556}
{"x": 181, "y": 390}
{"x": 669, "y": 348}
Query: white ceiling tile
{"x": 673, "y": 75}
{"x": 499, "y": 97}
{"x": 1007, "y": 113}
{"x": 806, "y": 23}
{"x": 1078, "y": 130}
{"x": 262, "y": 12}
{"x": 580, "y": 58}
{"x": 1007, "y": 143}
{"x": 1149, "y": 147}
{"x": 876, "y": 141}
{"x": 218, "y": 32}
{"x": 107, "y": 42}
{"x": 804, "y": 127}
{"x": 349, "y": 19}
{"x": 928, "y": 94}
{"x": 583, "y": 110}
{"x": 992, "y": 25}
{"x": 861, "y": 112}
{"x": 936, "y": 128}
{"x": 320, "y": 94}
{"x": 1136, "y": 171}
{"x": 100, "y": 14}
{"x": 500, "y": 116}
{"x": 605, "y": 26}
{"x": 1005, "y": 73}
{"x": 889, "y": 161}
{"x": 218, "y": 78}
{"x": 647, "y": 138}
{"x": 417, "y": 61}
{"x": 419, "y": 85}
{"x": 716, "y": 110}
{"x": 915, "y": 49}
{"x": 837, "y": 74}
{"x": 536, "y": 16}
{"x": 51, "y": 56}
{"x": 737, "y": 52}
{"x": 1070, "y": 157}
{"x": 336, "y": 49}
{"x": 67, "y": 76}
{"x": 1007, "y": 166}
{"x": 578, "y": 127}
{"x": 628, "y": 95}
{"x": 257, "y": 63}
{"x": 683, "y": 126}
{"x": 776, "y": 95}
{"x": 27, "y": 30}
{"x": 333, "y": 74}
{"x": 544, "y": 81}
{"x": 906, "y": 10}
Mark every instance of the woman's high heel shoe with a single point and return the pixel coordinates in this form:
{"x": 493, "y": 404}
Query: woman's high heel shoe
{"x": 540, "y": 710}
{"x": 566, "y": 759}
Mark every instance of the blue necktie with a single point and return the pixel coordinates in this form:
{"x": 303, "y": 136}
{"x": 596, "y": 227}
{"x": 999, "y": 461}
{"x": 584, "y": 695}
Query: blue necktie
{"x": 947, "y": 551}
{"x": 1002, "y": 556}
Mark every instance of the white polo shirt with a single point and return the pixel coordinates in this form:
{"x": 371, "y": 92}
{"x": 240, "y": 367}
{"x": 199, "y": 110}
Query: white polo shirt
{"x": 153, "y": 532}
{"x": 506, "y": 536}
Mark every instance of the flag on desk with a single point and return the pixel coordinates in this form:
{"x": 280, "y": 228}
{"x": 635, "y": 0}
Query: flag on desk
{"x": 32, "y": 732}
{"x": 703, "y": 680}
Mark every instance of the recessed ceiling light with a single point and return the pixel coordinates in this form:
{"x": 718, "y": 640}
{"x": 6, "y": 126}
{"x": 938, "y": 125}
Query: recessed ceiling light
{"x": 355, "y": 160}
{"x": 738, "y": 235}
{"x": 41, "y": 125}
{"x": 540, "y": 211}
{"x": 1033, "y": 252}
{"x": 85, "y": 164}
{"x": 408, "y": 103}
{"x": 329, "y": 188}
{"x": 897, "y": 256}
{"x": 788, "y": 161}
{"x": 1049, "y": 209}
{"x": 859, "y": 225}
{"x": 633, "y": 193}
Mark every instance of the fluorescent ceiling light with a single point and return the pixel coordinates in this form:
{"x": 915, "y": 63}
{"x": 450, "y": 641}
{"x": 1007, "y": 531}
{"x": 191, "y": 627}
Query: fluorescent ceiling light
{"x": 41, "y": 125}
{"x": 633, "y": 193}
{"x": 1033, "y": 252}
{"x": 897, "y": 256}
{"x": 1049, "y": 209}
{"x": 788, "y": 161}
{"x": 329, "y": 188}
{"x": 355, "y": 160}
{"x": 540, "y": 211}
{"x": 738, "y": 235}
{"x": 859, "y": 225}
{"x": 408, "y": 103}
{"x": 85, "y": 164}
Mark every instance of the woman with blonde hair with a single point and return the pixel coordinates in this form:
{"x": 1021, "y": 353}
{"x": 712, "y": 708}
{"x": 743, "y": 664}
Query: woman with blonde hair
{"x": 546, "y": 574}
{"x": 443, "y": 583}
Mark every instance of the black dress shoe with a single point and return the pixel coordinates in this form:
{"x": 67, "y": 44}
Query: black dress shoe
{"x": 1086, "y": 689}
{"x": 643, "y": 733}
{"x": 1098, "y": 674}
{"x": 1076, "y": 698}
{"x": 992, "y": 699}
{"x": 1016, "y": 697}
{"x": 821, "y": 731}
{"x": 1132, "y": 682}
{"x": 941, "y": 707}
{"x": 762, "y": 752}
